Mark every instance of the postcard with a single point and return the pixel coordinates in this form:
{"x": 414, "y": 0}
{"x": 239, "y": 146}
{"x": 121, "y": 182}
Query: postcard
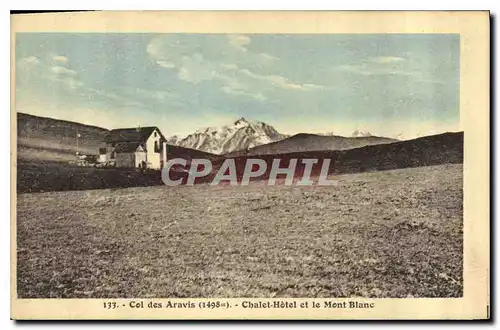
{"x": 250, "y": 165}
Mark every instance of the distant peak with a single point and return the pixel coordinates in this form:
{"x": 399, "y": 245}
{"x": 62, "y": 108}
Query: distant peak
{"x": 358, "y": 133}
{"x": 241, "y": 120}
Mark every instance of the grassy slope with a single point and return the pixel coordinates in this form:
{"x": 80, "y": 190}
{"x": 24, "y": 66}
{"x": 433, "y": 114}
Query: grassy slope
{"x": 46, "y": 146}
{"x": 382, "y": 234}
{"x": 430, "y": 150}
{"x": 312, "y": 142}
{"x": 47, "y": 139}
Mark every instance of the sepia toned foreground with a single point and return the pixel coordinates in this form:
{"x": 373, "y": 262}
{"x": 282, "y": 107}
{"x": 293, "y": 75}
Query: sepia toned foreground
{"x": 392, "y": 233}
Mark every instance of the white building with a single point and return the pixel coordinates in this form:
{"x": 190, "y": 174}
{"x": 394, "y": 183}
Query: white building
{"x": 136, "y": 147}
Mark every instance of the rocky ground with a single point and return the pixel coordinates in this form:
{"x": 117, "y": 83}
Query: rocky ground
{"x": 382, "y": 234}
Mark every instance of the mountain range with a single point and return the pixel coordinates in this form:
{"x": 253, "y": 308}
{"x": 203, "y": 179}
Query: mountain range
{"x": 240, "y": 135}
{"x": 46, "y": 145}
{"x": 251, "y": 137}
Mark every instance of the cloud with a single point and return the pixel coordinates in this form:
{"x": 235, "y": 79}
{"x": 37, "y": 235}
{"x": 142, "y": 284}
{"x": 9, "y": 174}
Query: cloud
{"x": 229, "y": 66}
{"x": 41, "y": 71}
{"x": 49, "y": 77}
{"x": 194, "y": 69}
{"x": 317, "y": 87}
{"x": 233, "y": 91}
{"x": 62, "y": 70}
{"x": 238, "y": 41}
{"x": 28, "y": 62}
{"x": 378, "y": 66}
{"x": 166, "y": 64}
{"x": 158, "y": 95}
{"x": 375, "y": 66}
{"x": 70, "y": 82}
{"x": 63, "y": 83}
{"x": 227, "y": 61}
{"x": 65, "y": 76}
{"x": 281, "y": 82}
{"x": 109, "y": 95}
{"x": 154, "y": 48}
{"x": 235, "y": 87}
{"x": 387, "y": 59}
{"x": 60, "y": 58}
{"x": 414, "y": 75}
{"x": 173, "y": 52}
{"x": 267, "y": 56}
{"x": 183, "y": 80}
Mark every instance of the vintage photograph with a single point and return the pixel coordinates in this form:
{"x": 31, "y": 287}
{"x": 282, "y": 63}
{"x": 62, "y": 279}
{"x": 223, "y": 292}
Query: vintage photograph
{"x": 100, "y": 117}
{"x": 250, "y": 165}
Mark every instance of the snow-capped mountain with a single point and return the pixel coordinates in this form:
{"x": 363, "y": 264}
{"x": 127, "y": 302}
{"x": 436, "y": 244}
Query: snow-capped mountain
{"x": 241, "y": 134}
{"x": 174, "y": 139}
{"x": 358, "y": 133}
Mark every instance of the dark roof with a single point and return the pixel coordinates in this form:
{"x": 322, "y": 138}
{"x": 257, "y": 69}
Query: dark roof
{"x": 138, "y": 134}
{"x": 126, "y": 147}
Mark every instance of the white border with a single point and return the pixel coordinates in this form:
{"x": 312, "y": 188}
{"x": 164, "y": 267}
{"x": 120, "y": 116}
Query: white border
{"x": 189, "y": 5}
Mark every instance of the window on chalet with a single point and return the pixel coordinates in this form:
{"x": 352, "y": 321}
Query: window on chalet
{"x": 157, "y": 147}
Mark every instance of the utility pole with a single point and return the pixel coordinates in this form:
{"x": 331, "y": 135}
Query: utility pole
{"x": 77, "y": 136}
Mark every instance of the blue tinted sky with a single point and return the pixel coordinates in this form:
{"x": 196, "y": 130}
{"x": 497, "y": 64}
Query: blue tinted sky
{"x": 386, "y": 84}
